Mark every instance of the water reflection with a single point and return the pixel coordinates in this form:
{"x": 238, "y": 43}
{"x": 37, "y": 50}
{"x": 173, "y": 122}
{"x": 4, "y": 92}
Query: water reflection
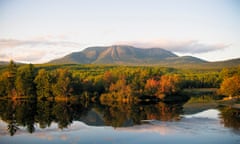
{"x": 17, "y": 113}
{"x": 45, "y": 114}
{"x": 120, "y": 115}
{"x": 27, "y": 113}
{"x": 230, "y": 117}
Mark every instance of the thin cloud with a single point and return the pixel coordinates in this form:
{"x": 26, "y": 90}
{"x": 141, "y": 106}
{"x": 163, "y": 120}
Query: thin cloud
{"x": 189, "y": 46}
{"x": 35, "y": 51}
{"x": 11, "y": 43}
{"x": 3, "y": 56}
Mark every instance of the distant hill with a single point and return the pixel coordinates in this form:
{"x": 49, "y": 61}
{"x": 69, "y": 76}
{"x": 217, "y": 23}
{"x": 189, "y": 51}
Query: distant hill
{"x": 3, "y": 63}
{"x": 127, "y": 55}
{"x": 226, "y": 63}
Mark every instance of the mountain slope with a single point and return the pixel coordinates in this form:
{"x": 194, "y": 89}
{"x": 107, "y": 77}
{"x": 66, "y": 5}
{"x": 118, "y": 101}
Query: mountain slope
{"x": 120, "y": 54}
{"x": 222, "y": 64}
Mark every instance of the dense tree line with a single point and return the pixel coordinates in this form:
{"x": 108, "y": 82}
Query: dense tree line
{"x": 27, "y": 81}
{"x": 124, "y": 83}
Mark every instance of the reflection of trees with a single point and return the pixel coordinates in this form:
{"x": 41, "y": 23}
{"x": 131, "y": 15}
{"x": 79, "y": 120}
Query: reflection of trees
{"x": 17, "y": 113}
{"x": 230, "y": 117}
{"x": 9, "y": 116}
{"x": 26, "y": 113}
{"x": 12, "y": 128}
{"x": 118, "y": 115}
{"x": 44, "y": 113}
{"x": 62, "y": 113}
{"x": 166, "y": 112}
{"x": 159, "y": 111}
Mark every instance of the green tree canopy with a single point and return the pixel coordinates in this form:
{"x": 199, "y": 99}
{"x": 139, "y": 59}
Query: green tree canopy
{"x": 64, "y": 83}
{"x": 43, "y": 83}
{"x": 25, "y": 81}
{"x": 11, "y": 77}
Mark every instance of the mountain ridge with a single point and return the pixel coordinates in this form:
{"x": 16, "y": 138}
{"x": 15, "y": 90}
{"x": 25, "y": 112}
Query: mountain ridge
{"x": 124, "y": 54}
{"x": 129, "y": 55}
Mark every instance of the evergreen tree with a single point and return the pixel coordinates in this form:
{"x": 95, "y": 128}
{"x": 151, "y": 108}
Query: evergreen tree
{"x": 43, "y": 84}
{"x": 11, "y": 77}
{"x": 3, "y": 84}
{"x": 25, "y": 81}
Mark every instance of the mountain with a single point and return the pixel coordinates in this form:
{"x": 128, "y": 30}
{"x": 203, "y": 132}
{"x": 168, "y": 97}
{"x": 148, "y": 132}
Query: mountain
{"x": 122, "y": 54}
{"x": 3, "y": 63}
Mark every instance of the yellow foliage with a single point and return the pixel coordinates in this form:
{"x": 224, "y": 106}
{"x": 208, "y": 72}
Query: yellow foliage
{"x": 231, "y": 86}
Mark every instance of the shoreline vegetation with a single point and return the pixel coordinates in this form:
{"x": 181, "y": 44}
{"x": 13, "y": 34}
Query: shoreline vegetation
{"x": 200, "y": 100}
{"x": 118, "y": 83}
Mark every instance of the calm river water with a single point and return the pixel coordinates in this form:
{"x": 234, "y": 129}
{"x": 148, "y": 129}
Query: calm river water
{"x": 46, "y": 122}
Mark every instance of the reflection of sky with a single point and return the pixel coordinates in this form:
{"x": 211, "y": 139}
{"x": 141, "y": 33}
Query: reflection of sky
{"x": 203, "y": 127}
{"x": 75, "y": 126}
{"x": 211, "y": 113}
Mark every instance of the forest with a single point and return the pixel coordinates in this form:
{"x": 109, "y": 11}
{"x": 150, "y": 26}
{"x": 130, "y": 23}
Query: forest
{"x": 111, "y": 82}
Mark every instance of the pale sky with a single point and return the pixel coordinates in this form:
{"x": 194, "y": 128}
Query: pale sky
{"x": 37, "y": 31}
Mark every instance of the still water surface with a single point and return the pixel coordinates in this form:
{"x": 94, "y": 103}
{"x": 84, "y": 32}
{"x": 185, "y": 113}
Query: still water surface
{"x": 75, "y": 122}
